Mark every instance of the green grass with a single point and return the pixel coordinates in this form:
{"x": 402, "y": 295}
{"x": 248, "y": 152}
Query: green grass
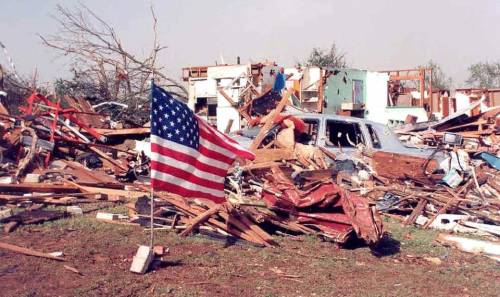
{"x": 415, "y": 241}
{"x": 323, "y": 269}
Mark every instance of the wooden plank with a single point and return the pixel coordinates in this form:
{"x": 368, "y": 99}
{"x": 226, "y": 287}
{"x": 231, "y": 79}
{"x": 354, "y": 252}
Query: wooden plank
{"x": 328, "y": 153}
{"x": 416, "y": 212}
{"x": 256, "y": 229}
{"x": 182, "y": 206}
{"x": 91, "y": 178}
{"x": 109, "y": 192}
{"x": 228, "y": 126}
{"x": 127, "y": 131}
{"x": 108, "y": 158}
{"x": 37, "y": 187}
{"x": 29, "y": 252}
{"x": 252, "y": 166}
{"x": 270, "y": 155}
{"x": 269, "y": 123}
{"x": 42, "y": 197}
{"x": 200, "y": 219}
{"x": 455, "y": 198}
{"x": 3, "y": 110}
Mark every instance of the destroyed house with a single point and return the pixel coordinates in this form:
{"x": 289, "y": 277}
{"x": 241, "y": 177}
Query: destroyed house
{"x": 220, "y": 93}
{"x": 217, "y": 92}
{"x": 307, "y": 85}
{"x": 214, "y": 91}
{"x": 386, "y": 97}
{"x": 466, "y": 96}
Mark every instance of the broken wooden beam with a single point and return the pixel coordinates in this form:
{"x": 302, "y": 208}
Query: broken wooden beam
{"x": 269, "y": 123}
{"x": 200, "y": 219}
{"x": 416, "y": 212}
{"x": 29, "y": 252}
{"x": 38, "y": 188}
{"x": 226, "y": 96}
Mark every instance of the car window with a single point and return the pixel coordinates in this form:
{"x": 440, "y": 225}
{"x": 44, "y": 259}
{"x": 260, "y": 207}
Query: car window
{"x": 343, "y": 134}
{"x": 311, "y": 132}
{"x": 373, "y": 136}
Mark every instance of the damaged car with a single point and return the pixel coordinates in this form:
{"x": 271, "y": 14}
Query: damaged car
{"x": 338, "y": 134}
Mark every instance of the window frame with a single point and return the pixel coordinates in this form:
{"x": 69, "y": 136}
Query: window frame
{"x": 327, "y": 133}
{"x": 373, "y": 132}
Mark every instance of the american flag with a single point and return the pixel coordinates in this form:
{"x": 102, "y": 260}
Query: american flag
{"x": 188, "y": 157}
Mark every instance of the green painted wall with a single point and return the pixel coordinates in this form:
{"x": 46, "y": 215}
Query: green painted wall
{"x": 339, "y": 87}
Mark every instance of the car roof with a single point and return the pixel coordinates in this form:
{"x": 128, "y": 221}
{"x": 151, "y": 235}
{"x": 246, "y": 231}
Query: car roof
{"x": 323, "y": 116}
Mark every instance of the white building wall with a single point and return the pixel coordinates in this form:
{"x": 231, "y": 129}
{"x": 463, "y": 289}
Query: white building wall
{"x": 376, "y": 97}
{"x": 463, "y": 100}
{"x": 205, "y": 88}
{"x": 376, "y": 108}
{"x": 230, "y": 71}
{"x": 224, "y": 115}
{"x": 311, "y": 78}
{"x": 201, "y": 88}
{"x": 295, "y": 75}
{"x": 225, "y": 111}
{"x": 232, "y": 78}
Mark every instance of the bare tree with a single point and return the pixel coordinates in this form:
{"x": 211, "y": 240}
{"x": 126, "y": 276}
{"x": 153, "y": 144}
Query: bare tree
{"x": 101, "y": 62}
{"x": 15, "y": 88}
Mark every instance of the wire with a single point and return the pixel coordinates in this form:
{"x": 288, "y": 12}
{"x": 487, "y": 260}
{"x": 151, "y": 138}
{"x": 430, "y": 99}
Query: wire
{"x": 430, "y": 158}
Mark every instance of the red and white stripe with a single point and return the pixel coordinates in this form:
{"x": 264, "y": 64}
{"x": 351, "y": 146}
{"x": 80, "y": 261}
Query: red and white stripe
{"x": 195, "y": 173}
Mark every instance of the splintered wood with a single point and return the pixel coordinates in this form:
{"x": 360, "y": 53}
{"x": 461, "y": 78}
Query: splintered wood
{"x": 399, "y": 166}
{"x": 220, "y": 217}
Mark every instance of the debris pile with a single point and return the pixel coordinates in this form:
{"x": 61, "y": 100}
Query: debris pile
{"x": 457, "y": 188}
{"x": 473, "y": 129}
{"x": 263, "y": 200}
{"x": 305, "y": 179}
{"x": 63, "y": 153}
{"x": 72, "y": 154}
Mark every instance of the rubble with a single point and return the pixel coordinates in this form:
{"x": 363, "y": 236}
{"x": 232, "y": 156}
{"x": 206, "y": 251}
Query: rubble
{"x": 336, "y": 190}
{"x": 464, "y": 182}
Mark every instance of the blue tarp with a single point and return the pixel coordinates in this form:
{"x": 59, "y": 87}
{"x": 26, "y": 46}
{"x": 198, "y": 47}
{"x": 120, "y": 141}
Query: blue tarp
{"x": 279, "y": 83}
{"x": 491, "y": 159}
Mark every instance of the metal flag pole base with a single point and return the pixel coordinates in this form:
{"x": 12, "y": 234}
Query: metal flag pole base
{"x": 151, "y": 223}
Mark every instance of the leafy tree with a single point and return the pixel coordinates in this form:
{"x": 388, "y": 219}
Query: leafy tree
{"x": 326, "y": 57}
{"x": 439, "y": 79}
{"x": 484, "y": 75}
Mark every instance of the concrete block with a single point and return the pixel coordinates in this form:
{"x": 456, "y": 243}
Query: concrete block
{"x": 6, "y": 180}
{"x": 75, "y": 210}
{"x": 142, "y": 259}
{"x": 5, "y": 213}
{"x": 32, "y": 178}
{"x": 58, "y": 164}
{"x": 106, "y": 216}
{"x": 447, "y": 221}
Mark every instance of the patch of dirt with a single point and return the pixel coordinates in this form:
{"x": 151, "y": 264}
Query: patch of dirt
{"x": 198, "y": 266}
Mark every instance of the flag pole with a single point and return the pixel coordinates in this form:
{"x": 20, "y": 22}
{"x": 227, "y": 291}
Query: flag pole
{"x": 151, "y": 239}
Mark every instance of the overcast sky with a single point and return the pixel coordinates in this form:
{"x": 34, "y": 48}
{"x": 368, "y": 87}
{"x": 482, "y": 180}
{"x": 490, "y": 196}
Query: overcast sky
{"x": 375, "y": 34}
